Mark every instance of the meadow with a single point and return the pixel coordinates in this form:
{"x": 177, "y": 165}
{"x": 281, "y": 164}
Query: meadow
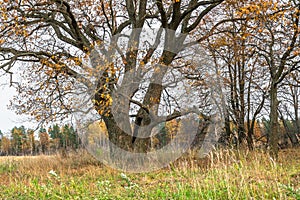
{"x": 224, "y": 174}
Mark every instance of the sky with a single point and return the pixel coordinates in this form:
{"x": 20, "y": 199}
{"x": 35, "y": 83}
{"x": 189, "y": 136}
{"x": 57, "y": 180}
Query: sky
{"x": 8, "y": 119}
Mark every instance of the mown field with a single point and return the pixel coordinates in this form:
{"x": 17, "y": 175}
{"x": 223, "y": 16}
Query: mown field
{"x": 226, "y": 174}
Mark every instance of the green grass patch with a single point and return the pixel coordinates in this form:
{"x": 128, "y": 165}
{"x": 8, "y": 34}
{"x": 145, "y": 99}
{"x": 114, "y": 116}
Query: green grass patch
{"x": 223, "y": 175}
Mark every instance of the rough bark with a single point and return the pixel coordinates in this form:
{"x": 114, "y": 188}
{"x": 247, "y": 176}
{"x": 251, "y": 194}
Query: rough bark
{"x": 274, "y": 131}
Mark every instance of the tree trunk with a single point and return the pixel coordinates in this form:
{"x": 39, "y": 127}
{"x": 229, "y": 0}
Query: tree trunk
{"x": 117, "y": 136}
{"x": 241, "y": 132}
{"x": 296, "y": 122}
{"x": 200, "y": 135}
{"x": 228, "y": 132}
{"x": 241, "y": 99}
{"x": 142, "y": 133}
{"x": 250, "y": 134}
{"x": 274, "y": 132}
{"x": 151, "y": 100}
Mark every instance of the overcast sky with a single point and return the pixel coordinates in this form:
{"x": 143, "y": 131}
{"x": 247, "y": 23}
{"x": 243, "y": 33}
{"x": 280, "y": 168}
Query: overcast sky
{"x": 8, "y": 119}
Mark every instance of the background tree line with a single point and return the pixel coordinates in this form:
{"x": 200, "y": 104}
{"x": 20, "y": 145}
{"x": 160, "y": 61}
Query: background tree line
{"x": 22, "y": 141}
{"x": 64, "y": 139}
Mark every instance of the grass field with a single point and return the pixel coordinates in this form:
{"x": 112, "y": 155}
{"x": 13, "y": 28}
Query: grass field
{"x": 225, "y": 174}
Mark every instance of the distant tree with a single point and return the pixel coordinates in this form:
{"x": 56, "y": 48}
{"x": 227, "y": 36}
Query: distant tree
{"x": 18, "y": 135}
{"x": 54, "y": 131}
{"x": 56, "y": 136}
{"x": 74, "y": 137}
{"x": 71, "y": 138}
{"x": 64, "y": 137}
{"x": 5, "y": 146}
{"x": 44, "y": 140}
{"x": 31, "y": 139}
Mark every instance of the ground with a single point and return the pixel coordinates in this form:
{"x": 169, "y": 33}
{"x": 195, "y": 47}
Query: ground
{"x": 226, "y": 174}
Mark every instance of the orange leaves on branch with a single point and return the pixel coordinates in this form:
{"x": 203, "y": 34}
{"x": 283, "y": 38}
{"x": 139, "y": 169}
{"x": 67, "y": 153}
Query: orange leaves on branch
{"x": 250, "y": 9}
{"x": 77, "y": 61}
{"x": 103, "y": 104}
{"x": 258, "y": 8}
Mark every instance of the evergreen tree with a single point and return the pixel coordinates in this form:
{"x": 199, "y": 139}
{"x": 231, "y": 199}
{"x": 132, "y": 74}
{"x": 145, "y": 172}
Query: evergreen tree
{"x": 18, "y": 136}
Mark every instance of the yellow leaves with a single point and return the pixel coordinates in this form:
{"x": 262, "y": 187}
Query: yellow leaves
{"x": 104, "y": 96}
{"x": 43, "y": 61}
{"x": 76, "y": 60}
{"x": 154, "y": 100}
{"x": 110, "y": 101}
{"x": 98, "y": 42}
{"x": 220, "y": 42}
{"x": 54, "y": 66}
{"x": 258, "y": 8}
{"x": 49, "y": 72}
{"x": 243, "y": 11}
{"x": 47, "y": 63}
{"x": 245, "y": 35}
{"x": 142, "y": 63}
{"x": 296, "y": 53}
{"x": 25, "y": 33}
{"x": 86, "y": 49}
{"x": 103, "y": 104}
{"x": 276, "y": 5}
{"x": 4, "y": 16}
{"x": 250, "y": 10}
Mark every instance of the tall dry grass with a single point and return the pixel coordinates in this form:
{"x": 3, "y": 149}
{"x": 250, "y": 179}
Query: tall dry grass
{"x": 223, "y": 174}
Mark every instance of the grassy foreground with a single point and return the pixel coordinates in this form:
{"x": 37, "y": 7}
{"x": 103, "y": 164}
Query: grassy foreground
{"x": 225, "y": 174}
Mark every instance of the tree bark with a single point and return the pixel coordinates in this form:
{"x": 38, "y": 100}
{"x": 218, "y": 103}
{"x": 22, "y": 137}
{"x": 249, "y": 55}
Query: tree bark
{"x": 274, "y": 132}
{"x": 250, "y": 134}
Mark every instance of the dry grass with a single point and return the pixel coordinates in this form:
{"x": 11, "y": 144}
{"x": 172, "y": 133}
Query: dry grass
{"x": 226, "y": 174}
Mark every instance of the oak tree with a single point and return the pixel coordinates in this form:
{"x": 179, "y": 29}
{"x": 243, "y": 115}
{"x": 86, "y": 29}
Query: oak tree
{"x": 53, "y": 40}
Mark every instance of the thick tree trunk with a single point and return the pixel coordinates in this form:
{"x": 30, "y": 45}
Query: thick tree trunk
{"x": 151, "y": 100}
{"x": 120, "y": 141}
{"x": 142, "y": 145}
{"x": 274, "y": 132}
{"x": 118, "y": 136}
{"x": 142, "y": 130}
